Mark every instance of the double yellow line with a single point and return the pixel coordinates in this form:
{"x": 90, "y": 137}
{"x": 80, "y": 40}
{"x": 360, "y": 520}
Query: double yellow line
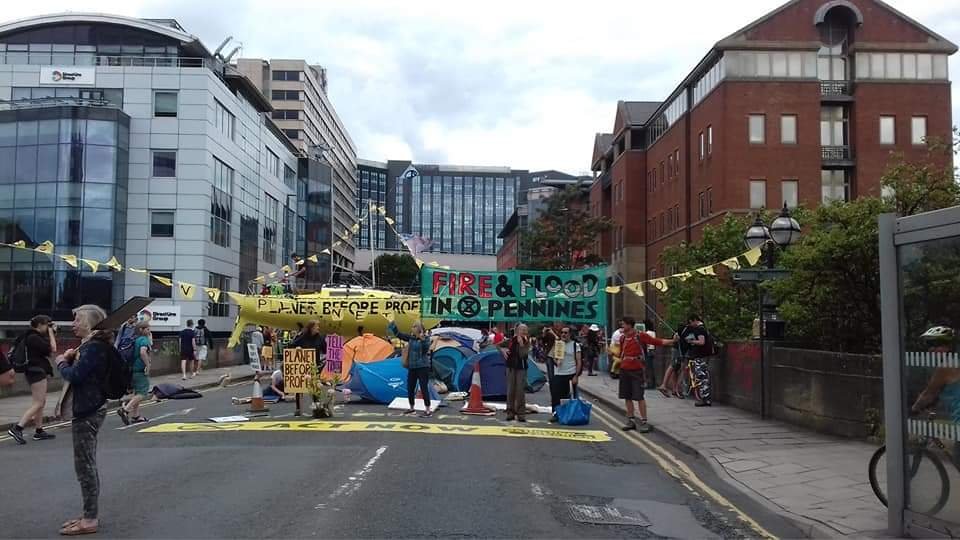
{"x": 679, "y": 470}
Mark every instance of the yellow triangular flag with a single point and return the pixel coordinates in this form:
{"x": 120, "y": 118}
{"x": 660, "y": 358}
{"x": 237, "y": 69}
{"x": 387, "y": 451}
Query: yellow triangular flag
{"x": 355, "y": 228}
{"x": 114, "y": 264}
{"x": 684, "y": 276}
{"x": 272, "y": 274}
{"x": 337, "y": 244}
{"x": 753, "y": 255}
{"x": 389, "y": 220}
{"x": 300, "y": 262}
{"x": 419, "y": 263}
{"x": 260, "y": 279}
{"x": 382, "y": 210}
{"x": 137, "y": 270}
{"x": 186, "y": 289}
{"x": 19, "y": 244}
{"x": 285, "y": 268}
{"x": 434, "y": 264}
{"x": 314, "y": 259}
{"x": 213, "y": 293}
{"x": 612, "y": 290}
{"x": 94, "y": 265}
{"x": 166, "y": 281}
{"x": 236, "y": 297}
{"x": 46, "y": 247}
{"x": 660, "y": 284}
{"x": 707, "y": 271}
{"x": 69, "y": 259}
{"x": 635, "y": 288}
{"x": 732, "y": 263}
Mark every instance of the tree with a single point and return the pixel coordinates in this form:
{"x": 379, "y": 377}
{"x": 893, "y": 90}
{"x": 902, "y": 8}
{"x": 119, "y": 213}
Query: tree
{"x": 564, "y": 230}
{"x": 398, "y": 271}
{"x": 928, "y": 184}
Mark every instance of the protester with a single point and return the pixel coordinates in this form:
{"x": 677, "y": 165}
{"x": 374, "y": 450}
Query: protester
{"x": 188, "y": 358}
{"x": 650, "y": 329}
{"x": 632, "y": 367}
{"x": 592, "y": 345}
{"x": 275, "y": 390}
{"x": 670, "y": 385}
{"x": 566, "y": 371}
{"x": 310, "y": 338}
{"x": 266, "y": 351}
{"x": 517, "y": 349}
{"x": 548, "y": 338}
{"x": 418, "y": 365}
{"x": 39, "y": 342}
{"x": 485, "y": 338}
{"x": 696, "y": 337}
{"x": 86, "y": 368}
{"x": 141, "y": 375}
{"x": 497, "y": 335}
{"x": 7, "y": 375}
{"x": 202, "y": 343}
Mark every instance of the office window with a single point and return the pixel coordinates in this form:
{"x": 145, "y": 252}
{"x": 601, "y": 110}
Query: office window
{"x": 888, "y": 130}
{"x": 161, "y": 223}
{"x": 164, "y": 163}
{"x": 758, "y": 194}
{"x": 293, "y": 134}
{"x": 272, "y": 163}
{"x": 709, "y": 140}
{"x": 918, "y": 130}
{"x": 289, "y": 177}
{"x": 788, "y": 129}
{"x": 220, "y": 308}
{"x": 280, "y": 75}
{"x": 285, "y": 95}
{"x": 703, "y": 146}
{"x": 790, "y": 192}
{"x": 221, "y": 203}
{"x": 757, "y": 129}
{"x": 224, "y": 120}
{"x": 282, "y": 114}
{"x": 165, "y": 104}
{"x": 155, "y": 289}
{"x": 271, "y": 213}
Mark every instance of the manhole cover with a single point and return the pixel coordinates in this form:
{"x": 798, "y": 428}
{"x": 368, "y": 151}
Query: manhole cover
{"x": 607, "y": 515}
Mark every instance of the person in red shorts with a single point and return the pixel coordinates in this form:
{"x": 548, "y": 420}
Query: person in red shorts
{"x": 632, "y": 367}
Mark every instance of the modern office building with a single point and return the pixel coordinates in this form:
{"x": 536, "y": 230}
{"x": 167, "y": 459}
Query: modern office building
{"x": 298, "y": 92}
{"x": 802, "y": 106}
{"x": 461, "y": 209}
{"x": 127, "y": 137}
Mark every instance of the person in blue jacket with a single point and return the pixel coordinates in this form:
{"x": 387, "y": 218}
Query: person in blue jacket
{"x": 418, "y": 366}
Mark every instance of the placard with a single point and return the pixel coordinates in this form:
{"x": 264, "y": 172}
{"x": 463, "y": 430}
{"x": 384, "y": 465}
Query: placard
{"x": 334, "y": 354}
{"x": 298, "y": 366}
{"x": 559, "y": 349}
{"x": 517, "y": 295}
{"x": 254, "y": 356}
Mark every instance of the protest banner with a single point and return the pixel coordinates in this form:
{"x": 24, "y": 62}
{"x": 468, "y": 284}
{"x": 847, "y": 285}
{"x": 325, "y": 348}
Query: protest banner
{"x": 298, "y": 366}
{"x": 515, "y": 295}
{"x": 334, "y": 364}
{"x": 254, "y": 356}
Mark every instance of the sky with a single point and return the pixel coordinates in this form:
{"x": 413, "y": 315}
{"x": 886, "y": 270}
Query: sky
{"x": 524, "y": 84}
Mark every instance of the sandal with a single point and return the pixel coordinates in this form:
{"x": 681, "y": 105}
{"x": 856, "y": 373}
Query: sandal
{"x": 124, "y": 415}
{"x": 139, "y": 419}
{"x": 70, "y": 522}
{"x": 664, "y": 391}
{"x": 75, "y": 529}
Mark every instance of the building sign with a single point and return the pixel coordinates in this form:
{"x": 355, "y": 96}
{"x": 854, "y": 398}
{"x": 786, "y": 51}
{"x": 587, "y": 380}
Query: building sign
{"x": 68, "y": 76}
{"x": 163, "y": 316}
{"x": 409, "y": 174}
{"x": 298, "y": 367}
{"x": 576, "y": 296}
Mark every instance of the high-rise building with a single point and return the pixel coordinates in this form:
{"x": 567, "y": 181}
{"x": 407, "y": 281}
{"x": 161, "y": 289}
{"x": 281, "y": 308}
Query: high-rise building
{"x": 127, "y": 137}
{"x": 803, "y": 106}
{"x": 298, "y": 92}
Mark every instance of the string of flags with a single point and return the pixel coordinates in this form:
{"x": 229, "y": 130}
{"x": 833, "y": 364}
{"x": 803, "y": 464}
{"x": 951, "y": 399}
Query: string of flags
{"x": 662, "y": 284}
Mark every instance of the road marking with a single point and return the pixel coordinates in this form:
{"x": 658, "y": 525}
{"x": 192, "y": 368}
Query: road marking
{"x": 353, "y": 483}
{"x": 184, "y": 412}
{"x": 679, "y": 470}
{"x": 395, "y": 427}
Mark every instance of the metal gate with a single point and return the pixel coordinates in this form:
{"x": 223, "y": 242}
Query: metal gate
{"x": 920, "y": 297}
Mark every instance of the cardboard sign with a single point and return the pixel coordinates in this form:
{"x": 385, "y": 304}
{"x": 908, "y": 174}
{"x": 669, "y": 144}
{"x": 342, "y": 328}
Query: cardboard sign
{"x": 559, "y": 349}
{"x": 298, "y": 366}
{"x": 334, "y": 354}
{"x": 254, "y": 356}
{"x": 515, "y": 295}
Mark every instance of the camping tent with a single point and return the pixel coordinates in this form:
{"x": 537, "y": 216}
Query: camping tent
{"x": 493, "y": 373}
{"x": 452, "y": 366}
{"x": 535, "y": 378}
{"x": 364, "y": 349}
{"x": 381, "y": 382}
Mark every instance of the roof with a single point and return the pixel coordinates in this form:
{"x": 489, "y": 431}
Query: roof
{"x": 637, "y": 113}
{"x": 240, "y": 82}
{"x": 602, "y": 142}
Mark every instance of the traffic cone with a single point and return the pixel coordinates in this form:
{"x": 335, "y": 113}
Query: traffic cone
{"x": 256, "y": 400}
{"x": 476, "y": 406}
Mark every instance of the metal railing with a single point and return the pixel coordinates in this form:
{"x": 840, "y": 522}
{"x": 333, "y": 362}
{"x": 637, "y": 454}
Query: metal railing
{"x": 836, "y": 88}
{"x": 38, "y": 103}
{"x": 836, "y": 153}
{"x": 90, "y": 59}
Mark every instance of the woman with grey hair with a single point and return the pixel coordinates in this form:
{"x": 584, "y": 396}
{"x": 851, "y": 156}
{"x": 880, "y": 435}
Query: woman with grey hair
{"x": 86, "y": 369}
{"x": 517, "y": 350}
{"x": 418, "y": 364}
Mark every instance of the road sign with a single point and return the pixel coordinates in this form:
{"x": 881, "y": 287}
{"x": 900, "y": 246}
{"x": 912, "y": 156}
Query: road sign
{"x": 757, "y": 276}
{"x": 298, "y": 366}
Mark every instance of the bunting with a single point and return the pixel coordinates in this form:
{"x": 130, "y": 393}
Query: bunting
{"x": 46, "y": 247}
{"x": 69, "y": 259}
{"x": 114, "y": 264}
{"x": 94, "y": 265}
{"x": 213, "y": 293}
{"x": 186, "y": 289}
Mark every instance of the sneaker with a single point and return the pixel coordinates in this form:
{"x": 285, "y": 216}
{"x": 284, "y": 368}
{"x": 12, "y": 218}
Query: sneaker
{"x": 510, "y": 417}
{"x": 183, "y": 378}
{"x": 409, "y": 412}
{"x": 630, "y": 425}
{"x": 17, "y": 433}
{"x": 124, "y": 416}
{"x": 643, "y": 427}
{"x": 426, "y": 414}
{"x": 41, "y": 435}
{"x": 554, "y": 419}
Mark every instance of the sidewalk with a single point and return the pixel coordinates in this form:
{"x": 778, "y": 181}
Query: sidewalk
{"x": 12, "y": 407}
{"x": 816, "y": 480}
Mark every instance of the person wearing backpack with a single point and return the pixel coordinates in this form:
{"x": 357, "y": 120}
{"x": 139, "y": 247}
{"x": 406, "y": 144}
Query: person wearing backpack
{"x": 95, "y": 371}
{"x": 632, "y": 372}
{"x": 31, "y": 356}
{"x": 7, "y": 375}
{"x": 130, "y": 413}
{"x": 700, "y": 343}
{"x": 203, "y": 343}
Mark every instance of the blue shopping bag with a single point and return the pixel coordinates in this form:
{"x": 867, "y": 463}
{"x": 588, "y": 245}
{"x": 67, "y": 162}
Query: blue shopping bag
{"x": 574, "y": 412}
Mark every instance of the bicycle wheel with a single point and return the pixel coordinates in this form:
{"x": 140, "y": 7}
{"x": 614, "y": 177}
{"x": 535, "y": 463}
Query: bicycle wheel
{"x": 684, "y": 386}
{"x": 926, "y": 470}
{"x": 878, "y": 479}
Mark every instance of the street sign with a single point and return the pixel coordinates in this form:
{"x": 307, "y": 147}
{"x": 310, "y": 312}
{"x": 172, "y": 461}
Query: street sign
{"x": 757, "y": 276}
{"x": 298, "y": 366}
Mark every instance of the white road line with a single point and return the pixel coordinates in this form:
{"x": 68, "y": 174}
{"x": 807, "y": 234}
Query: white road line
{"x": 354, "y": 482}
{"x": 161, "y": 417}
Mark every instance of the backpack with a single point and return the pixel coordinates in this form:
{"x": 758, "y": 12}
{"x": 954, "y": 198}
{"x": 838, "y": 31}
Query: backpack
{"x": 119, "y": 374}
{"x": 126, "y": 345}
{"x": 711, "y": 347}
{"x": 18, "y": 354}
{"x": 203, "y": 338}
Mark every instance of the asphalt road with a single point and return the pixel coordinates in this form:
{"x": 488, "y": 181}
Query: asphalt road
{"x": 320, "y": 482}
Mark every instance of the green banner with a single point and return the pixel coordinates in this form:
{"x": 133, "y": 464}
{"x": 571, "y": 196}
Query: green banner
{"x": 576, "y": 296}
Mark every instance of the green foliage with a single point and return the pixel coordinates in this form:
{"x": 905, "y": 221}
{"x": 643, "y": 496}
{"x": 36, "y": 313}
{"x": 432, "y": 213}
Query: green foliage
{"x": 925, "y": 185}
{"x": 565, "y": 228}
{"x": 398, "y": 271}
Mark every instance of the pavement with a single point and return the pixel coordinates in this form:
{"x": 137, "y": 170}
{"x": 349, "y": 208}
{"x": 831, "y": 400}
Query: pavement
{"x": 13, "y": 407}
{"x": 818, "y": 481}
{"x": 372, "y": 473}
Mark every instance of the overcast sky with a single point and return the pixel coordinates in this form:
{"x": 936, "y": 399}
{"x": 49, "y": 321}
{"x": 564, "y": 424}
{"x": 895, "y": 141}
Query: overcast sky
{"x": 520, "y": 83}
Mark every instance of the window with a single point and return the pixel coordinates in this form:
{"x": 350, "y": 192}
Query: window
{"x": 289, "y": 114}
{"x": 286, "y": 75}
{"x": 293, "y": 134}
{"x": 834, "y": 185}
{"x": 676, "y": 162}
{"x": 164, "y": 163}
{"x": 703, "y": 146}
{"x": 165, "y": 104}
{"x": 221, "y": 203}
{"x": 161, "y": 223}
{"x": 833, "y": 126}
{"x": 709, "y": 201}
{"x": 702, "y": 204}
{"x": 788, "y": 129}
{"x": 918, "y": 130}
{"x": 220, "y": 308}
{"x": 757, "y": 129}
{"x": 271, "y": 214}
{"x": 273, "y": 163}
{"x": 790, "y": 192}
{"x": 155, "y": 289}
{"x": 758, "y": 194}
{"x": 225, "y": 120}
{"x": 709, "y": 140}
{"x": 289, "y": 177}
{"x": 286, "y": 95}
{"x": 676, "y": 216}
{"x": 888, "y": 130}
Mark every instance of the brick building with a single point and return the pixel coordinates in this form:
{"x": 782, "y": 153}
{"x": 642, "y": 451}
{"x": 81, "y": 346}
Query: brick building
{"x": 802, "y": 106}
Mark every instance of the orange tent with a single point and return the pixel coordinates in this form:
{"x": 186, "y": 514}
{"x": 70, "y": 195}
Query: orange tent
{"x": 364, "y": 349}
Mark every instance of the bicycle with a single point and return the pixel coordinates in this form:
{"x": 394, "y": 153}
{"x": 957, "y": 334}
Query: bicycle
{"x": 919, "y": 451}
{"x": 688, "y": 383}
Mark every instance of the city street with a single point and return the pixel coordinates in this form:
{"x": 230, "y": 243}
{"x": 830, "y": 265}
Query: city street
{"x": 292, "y": 480}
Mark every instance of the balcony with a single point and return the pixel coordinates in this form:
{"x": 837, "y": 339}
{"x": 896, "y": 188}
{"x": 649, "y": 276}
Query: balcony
{"x": 39, "y": 103}
{"x": 836, "y": 91}
{"x": 92, "y": 59}
{"x": 841, "y": 156}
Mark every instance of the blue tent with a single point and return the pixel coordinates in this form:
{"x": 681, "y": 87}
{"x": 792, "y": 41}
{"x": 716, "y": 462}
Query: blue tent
{"x": 535, "y": 378}
{"x": 449, "y": 365}
{"x": 381, "y": 382}
{"x": 493, "y": 373}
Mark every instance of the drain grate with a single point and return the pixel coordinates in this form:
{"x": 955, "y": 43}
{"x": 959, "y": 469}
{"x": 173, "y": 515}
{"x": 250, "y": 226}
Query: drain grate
{"x": 607, "y": 515}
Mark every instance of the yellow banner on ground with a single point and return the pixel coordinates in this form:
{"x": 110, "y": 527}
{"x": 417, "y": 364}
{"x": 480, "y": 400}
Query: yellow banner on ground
{"x": 575, "y": 435}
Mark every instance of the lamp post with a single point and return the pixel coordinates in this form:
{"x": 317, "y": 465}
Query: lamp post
{"x": 782, "y": 232}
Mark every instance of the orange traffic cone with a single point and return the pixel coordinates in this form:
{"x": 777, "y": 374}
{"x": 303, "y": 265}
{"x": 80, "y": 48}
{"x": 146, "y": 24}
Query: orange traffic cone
{"x": 256, "y": 400}
{"x": 476, "y": 406}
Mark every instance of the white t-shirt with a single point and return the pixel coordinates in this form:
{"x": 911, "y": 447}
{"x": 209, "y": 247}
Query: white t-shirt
{"x": 615, "y": 338}
{"x": 568, "y": 366}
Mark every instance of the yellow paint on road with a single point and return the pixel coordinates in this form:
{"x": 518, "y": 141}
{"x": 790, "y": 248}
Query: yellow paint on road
{"x": 679, "y": 470}
{"x": 387, "y": 426}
